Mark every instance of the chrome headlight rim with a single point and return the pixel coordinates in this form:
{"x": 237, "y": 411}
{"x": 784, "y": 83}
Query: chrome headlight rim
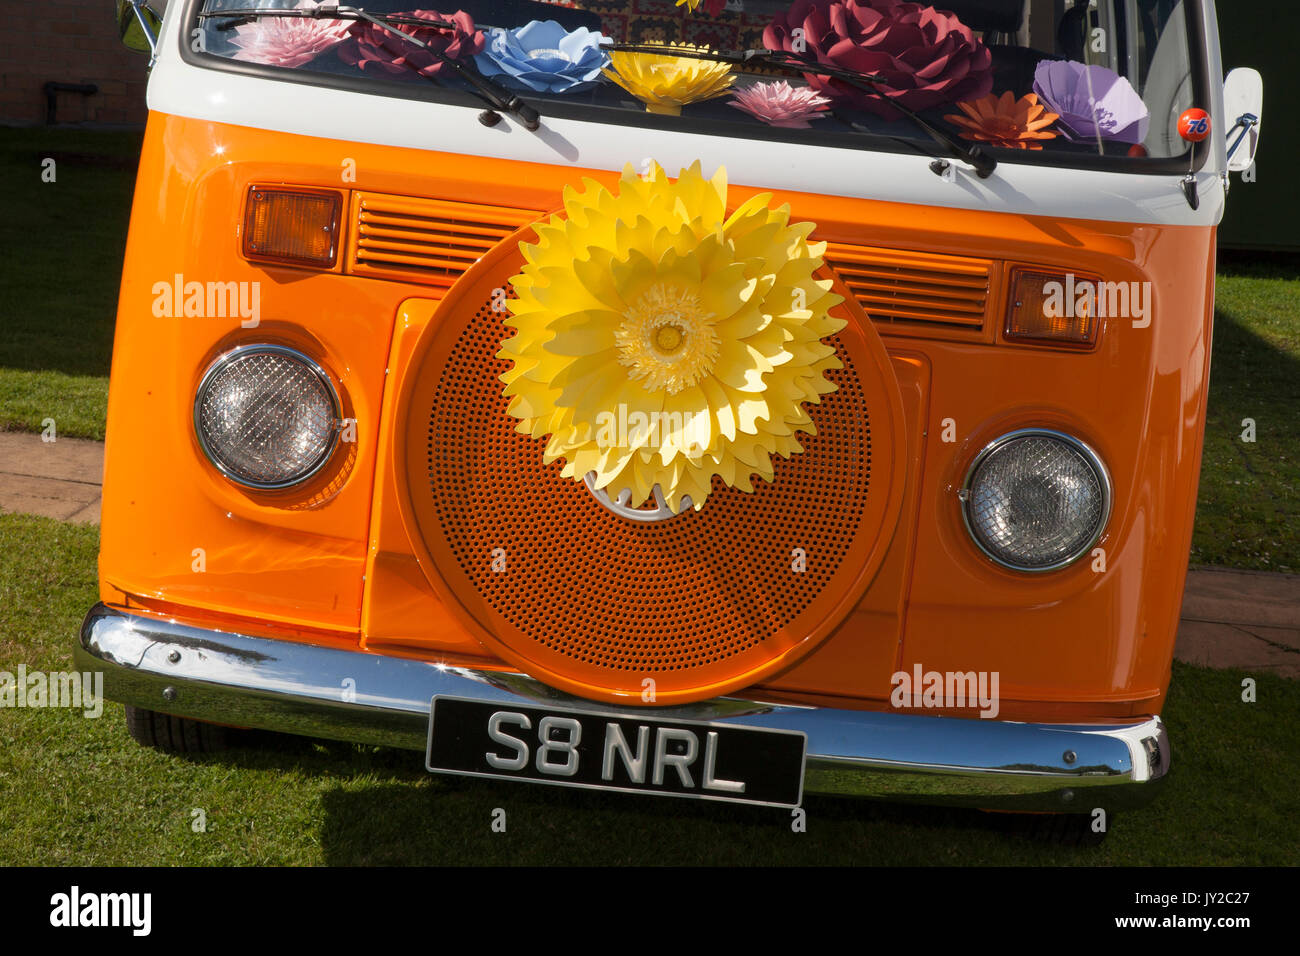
{"x": 1089, "y": 455}
{"x": 266, "y": 348}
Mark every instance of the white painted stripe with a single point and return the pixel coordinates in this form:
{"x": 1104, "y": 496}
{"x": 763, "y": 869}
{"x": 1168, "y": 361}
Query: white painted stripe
{"x": 178, "y": 88}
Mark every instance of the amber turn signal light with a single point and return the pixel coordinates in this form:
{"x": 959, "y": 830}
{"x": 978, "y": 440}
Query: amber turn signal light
{"x": 295, "y": 227}
{"x": 1053, "y": 308}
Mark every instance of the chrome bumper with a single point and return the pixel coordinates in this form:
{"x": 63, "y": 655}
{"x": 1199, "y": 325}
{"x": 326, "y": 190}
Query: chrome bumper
{"x": 370, "y": 698}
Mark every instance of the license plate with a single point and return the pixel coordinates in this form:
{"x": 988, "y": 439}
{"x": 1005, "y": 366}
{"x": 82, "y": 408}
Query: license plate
{"x": 603, "y": 751}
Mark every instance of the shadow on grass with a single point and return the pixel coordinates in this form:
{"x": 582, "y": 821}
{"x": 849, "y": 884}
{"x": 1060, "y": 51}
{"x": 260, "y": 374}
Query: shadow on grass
{"x": 310, "y": 756}
{"x": 59, "y": 297}
{"x": 458, "y": 821}
{"x": 382, "y": 808}
{"x": 1258, "y": 264}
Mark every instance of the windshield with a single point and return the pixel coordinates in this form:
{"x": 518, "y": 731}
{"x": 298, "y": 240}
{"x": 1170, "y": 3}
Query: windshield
{"x": 1058, "y": 81}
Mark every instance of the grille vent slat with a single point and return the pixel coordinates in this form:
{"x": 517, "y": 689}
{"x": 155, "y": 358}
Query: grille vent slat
{"x": 412, "y": 237}
{"x": 433, "y": 242}
{"x": 907, "y": 288}
{"x": 429, "y": 241}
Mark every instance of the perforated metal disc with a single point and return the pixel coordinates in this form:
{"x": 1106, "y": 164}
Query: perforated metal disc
{"x": 701, "y": 603}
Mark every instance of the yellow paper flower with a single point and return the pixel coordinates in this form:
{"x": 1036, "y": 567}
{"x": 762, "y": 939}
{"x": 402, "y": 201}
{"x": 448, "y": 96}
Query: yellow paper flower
{"x": 666, "y": 83}
{"x": 659, "y": 341}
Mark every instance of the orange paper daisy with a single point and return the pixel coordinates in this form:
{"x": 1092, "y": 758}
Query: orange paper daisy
{"x": 1005, "y": 121}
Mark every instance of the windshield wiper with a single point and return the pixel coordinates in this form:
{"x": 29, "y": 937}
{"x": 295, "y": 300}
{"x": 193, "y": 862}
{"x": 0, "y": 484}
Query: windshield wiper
{"x": 494, "y": 94}
{"x": 973, "y": 155}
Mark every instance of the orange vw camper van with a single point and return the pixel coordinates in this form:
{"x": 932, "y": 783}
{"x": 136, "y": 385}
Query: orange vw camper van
{"x": 730, "y": 400}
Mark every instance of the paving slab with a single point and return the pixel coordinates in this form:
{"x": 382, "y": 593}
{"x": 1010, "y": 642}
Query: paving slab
{"x": 1265, "y": 598}
{"x": 1272, "y": 649}
{"x": 58, "y": 479}
{"x": 1246, "y": 619}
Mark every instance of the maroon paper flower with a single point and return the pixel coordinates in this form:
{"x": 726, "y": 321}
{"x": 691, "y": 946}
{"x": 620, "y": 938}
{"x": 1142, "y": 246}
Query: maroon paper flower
{"x": 928, "y": 56}
{"x": 372, "y": 47}
{"x": 713, "y": 8}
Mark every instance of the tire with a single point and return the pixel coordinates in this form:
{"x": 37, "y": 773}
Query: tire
{"x": 175, "y": 735}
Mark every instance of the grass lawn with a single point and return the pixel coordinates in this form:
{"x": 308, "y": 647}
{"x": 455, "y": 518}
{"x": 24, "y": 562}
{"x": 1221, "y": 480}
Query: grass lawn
{"x": 58, "y": 287}
{"x": 1248, "y": 509}
{"x": 78, "y": 791}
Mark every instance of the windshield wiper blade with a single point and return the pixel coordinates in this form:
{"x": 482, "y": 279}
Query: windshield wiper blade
{"x": 973, "y": 155}
{"x": 493, "y": 93}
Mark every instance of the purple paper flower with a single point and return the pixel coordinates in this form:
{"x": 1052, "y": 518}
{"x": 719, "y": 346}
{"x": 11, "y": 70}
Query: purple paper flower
{"x": 1092, "y": 101}
{"x": 287, "y": 41}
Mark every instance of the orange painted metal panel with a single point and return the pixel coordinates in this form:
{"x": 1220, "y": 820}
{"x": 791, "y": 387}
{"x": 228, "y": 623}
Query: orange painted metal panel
{"x": 335, "y": 558}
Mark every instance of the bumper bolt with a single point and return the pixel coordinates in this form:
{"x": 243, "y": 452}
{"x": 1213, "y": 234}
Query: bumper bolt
{"x": 174, "y": 657}
{"x": 1069, "y": 756}
{"x": 169, "y": 693}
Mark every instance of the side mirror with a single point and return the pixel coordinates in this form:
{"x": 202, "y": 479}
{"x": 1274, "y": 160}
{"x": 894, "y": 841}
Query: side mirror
{"x": 1243, "y": 102}
{"x": 138, "y": 26}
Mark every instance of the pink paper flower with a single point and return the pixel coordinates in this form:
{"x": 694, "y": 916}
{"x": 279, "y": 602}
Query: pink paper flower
{"x": 780, "y": 104}
{"x": 288, "y": 41}
{"x": 928, "y": 57}
{"x": 373, "y": 47}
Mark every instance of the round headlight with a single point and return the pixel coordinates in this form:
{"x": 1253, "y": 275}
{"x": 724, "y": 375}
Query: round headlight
{"x": 1036, "y": 500}
{"x": 266, "y": 416}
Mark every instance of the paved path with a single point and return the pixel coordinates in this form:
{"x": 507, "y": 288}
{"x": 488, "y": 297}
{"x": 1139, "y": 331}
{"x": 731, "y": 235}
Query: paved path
{"x": 1247, "y": 619}
{"x": 58, "y": 479}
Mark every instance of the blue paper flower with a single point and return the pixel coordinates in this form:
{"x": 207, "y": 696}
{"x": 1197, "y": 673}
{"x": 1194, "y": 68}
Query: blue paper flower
{"x": 542, "y": 56}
